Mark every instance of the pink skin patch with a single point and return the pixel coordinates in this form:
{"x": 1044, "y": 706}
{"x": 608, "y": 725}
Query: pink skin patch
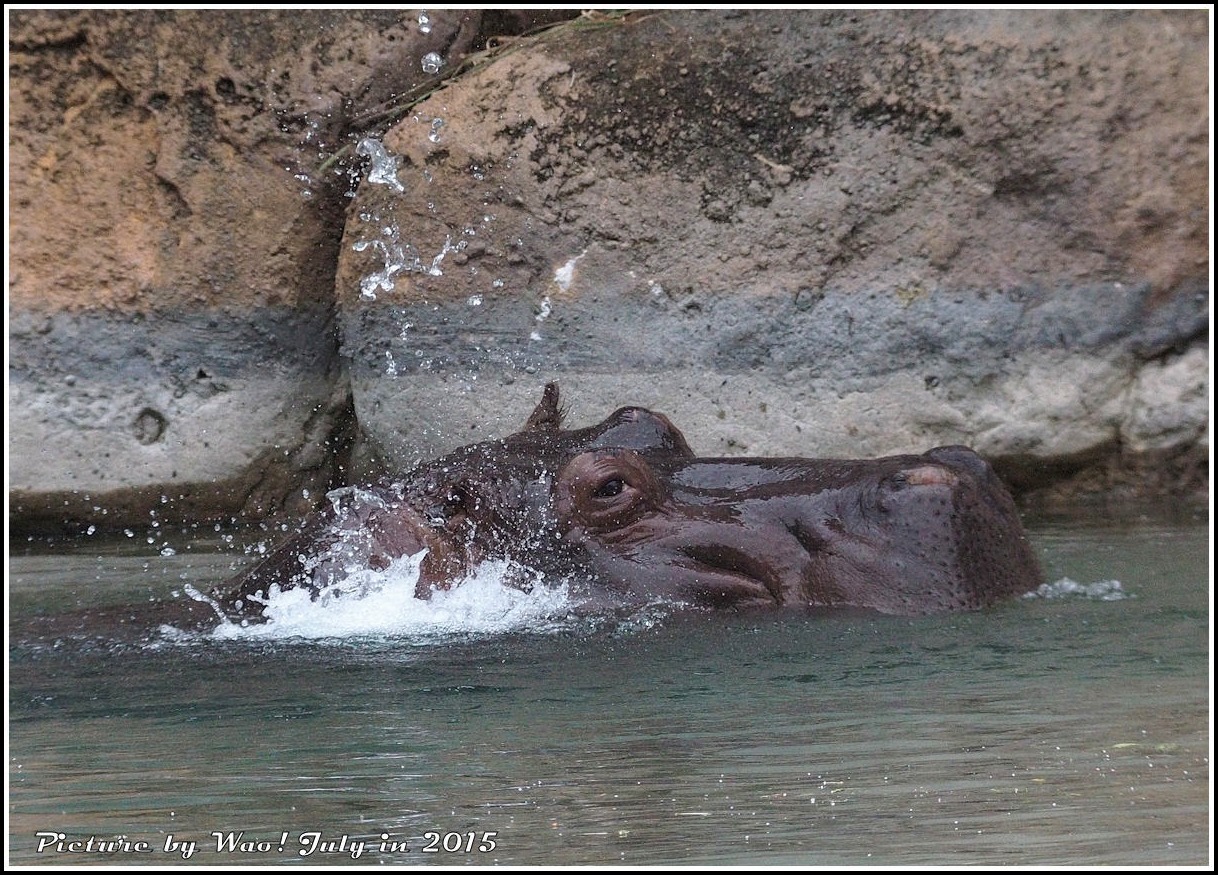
{"x": 930, "y": 475}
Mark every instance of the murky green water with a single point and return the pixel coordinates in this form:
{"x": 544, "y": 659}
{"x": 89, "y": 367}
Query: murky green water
{"x": 1062, "y": 731}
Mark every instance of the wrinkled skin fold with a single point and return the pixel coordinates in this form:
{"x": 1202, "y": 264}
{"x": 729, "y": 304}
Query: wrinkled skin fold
{"x": 626, "y": 512}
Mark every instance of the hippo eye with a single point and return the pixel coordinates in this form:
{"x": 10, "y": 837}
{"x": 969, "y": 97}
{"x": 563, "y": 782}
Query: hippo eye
{"x": 601, "y": 490}
{"x": 611, "y": 487}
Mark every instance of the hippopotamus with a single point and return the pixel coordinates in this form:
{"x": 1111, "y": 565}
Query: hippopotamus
{"x": 624, "y": 511}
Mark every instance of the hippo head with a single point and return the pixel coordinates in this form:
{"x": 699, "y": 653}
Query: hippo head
{"x": 904, "y": 534}
{"x": 625, "y": 511}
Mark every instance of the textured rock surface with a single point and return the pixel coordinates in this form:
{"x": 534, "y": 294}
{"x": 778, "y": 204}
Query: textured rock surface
{"x": 823, "y": 233}
{"x": 173, "y": 250}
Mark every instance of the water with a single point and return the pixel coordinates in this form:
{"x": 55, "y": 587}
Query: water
{"x": 382, "y": 167}
{"x": 1068, "y": 730}
{"x": 431, "y": 63}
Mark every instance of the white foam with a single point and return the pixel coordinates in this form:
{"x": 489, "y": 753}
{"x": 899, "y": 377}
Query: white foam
{"x": 382, "y": 603}
{"x": 1100, "y": 590}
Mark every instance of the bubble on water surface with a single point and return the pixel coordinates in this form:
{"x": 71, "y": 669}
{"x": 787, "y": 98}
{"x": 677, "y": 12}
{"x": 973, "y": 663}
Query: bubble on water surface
{"x": 1100, "y": 590}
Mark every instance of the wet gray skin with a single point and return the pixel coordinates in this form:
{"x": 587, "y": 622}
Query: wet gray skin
{"x": 627, "y": 513}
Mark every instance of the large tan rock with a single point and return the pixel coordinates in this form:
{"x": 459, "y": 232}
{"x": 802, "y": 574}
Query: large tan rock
{"x": 837, "y": 233}
{"x": 173, "y": 239}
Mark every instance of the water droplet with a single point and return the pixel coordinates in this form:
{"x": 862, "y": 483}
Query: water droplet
{"x": 434, "y": 270}
{"x": 434, "y": 133}
{"x": 432, "y": 63}
{"x": 397, "y": 257}
{"x": 424, "y": 22}
{"x": 474, "y": 300}
{"x": 382, "y": 167}
{"x": 564, "y": 275}
{"x": 543, "y": 310}
{"x": 497, "y": 284}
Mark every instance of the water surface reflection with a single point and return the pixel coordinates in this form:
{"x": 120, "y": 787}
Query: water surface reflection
{"x": 1068, "y": 730}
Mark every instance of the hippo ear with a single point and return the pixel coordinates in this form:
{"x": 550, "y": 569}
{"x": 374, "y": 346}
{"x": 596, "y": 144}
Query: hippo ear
{"x": 548, "y": 415}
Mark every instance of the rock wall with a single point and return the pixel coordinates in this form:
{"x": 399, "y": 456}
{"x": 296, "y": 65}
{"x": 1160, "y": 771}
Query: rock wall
{"x": 823, "y": 233}
{"x": 817, "y": 233}
{"x": 176, "y": 214}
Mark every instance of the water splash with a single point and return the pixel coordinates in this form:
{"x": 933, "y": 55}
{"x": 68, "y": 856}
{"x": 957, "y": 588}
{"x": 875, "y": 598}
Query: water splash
{"x": 382, "y": 603}
{"x": 1100, "y": 590}
{"x": 448, "y": 247}
{"x": 382, "y": 167}
{"x": 544, "y": 308}
{"x": 565, "y": 274}
{"x": 396, "y": 257}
